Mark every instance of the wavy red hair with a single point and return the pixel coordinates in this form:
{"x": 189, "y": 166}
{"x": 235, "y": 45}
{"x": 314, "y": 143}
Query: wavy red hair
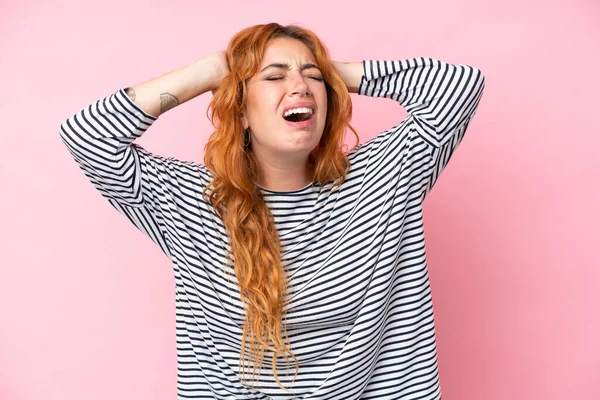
{"x": 237, "y": 200}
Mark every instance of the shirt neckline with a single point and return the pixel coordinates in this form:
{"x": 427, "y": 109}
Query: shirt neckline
{"x": 275, "y": 192}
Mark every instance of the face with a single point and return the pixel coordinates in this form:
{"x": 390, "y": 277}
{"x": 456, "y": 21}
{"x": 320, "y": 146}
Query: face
{"x": 288, "y": 79}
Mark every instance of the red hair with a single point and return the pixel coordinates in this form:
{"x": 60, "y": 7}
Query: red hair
{"x": 237, "y": 200}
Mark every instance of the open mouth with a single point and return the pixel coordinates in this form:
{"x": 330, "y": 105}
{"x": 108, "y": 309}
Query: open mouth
{"x": 298, "y": 114}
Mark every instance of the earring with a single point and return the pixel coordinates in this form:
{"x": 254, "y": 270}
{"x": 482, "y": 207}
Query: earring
{"x": 247, "y": 137}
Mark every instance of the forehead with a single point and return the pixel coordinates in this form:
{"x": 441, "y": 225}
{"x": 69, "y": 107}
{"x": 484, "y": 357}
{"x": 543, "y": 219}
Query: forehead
{"x": 287, "y": 50}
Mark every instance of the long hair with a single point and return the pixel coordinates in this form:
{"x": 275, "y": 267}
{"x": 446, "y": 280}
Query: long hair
{"x": 238, "y": 202}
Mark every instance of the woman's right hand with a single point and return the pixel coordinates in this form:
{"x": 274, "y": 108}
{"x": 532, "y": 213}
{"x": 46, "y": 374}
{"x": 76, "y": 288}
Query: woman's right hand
{"x": 221, "y": 68}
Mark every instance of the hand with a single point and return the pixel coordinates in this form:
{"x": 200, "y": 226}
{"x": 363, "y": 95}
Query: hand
{"x": 221, "y": 68}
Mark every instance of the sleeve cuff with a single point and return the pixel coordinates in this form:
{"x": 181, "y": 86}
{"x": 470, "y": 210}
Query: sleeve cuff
{"x": 132, "y": 106}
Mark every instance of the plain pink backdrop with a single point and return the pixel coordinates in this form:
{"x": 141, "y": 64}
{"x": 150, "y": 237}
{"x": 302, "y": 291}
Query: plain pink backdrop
{"x": 87, "y": 305}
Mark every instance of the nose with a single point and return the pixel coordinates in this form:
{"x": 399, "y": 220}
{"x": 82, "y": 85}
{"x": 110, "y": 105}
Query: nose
{"x": 299, "y": 85}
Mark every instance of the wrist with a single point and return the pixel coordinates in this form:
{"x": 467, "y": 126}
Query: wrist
{"x": 351, "y": 73}
{"x": 215, "y": 68}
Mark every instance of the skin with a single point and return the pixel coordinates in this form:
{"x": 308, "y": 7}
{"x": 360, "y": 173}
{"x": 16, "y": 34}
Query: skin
{"x": 280, "y": 149}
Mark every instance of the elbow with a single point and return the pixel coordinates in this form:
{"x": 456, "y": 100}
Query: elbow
{"x": 479, "y": 79}
{"x": 66, "y": 133}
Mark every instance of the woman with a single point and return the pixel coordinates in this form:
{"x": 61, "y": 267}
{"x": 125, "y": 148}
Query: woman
{"x": 285, "y": 248}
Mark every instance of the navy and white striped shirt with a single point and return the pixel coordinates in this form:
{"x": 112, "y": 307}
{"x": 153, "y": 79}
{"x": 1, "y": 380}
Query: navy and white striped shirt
{"x": 359, "y": 317}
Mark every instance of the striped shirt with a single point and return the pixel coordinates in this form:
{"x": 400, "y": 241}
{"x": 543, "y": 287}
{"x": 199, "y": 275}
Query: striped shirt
{"x": 359, "y": 315}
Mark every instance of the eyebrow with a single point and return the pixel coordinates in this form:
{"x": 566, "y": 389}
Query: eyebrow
{"x": 287, "y": 66}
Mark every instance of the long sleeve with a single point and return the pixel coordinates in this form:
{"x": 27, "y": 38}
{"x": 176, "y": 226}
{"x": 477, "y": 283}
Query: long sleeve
{"x": 441, "y": 100}
{"x": 100, "y": 139}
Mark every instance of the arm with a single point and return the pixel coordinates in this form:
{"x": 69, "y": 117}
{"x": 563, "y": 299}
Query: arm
{"x": 351, "y": 73}
{"x": 415, "y": 84}
{"x": 441, "y": 99}
{"x": 100, "y": 136}
{"x": 136, "y": 182}
{"x": 160, "y": 94}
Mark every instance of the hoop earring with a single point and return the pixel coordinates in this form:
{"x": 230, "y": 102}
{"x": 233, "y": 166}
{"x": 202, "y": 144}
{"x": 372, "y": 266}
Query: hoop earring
{"x": 246, "y": 142}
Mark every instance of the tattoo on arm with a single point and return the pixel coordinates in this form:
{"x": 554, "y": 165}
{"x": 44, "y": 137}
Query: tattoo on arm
{"x": 131, "y": 93}
{"x": 167, "y": 101}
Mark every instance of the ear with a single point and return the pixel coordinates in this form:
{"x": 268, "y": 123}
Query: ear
{"x": 245, "y": 123}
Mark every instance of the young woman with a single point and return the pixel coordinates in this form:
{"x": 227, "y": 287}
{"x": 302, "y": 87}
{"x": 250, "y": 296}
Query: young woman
{"x": 290, "y": 255}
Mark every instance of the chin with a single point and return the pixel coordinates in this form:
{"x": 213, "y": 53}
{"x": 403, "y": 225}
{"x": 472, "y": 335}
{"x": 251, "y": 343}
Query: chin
{"x": 297, "y": 149}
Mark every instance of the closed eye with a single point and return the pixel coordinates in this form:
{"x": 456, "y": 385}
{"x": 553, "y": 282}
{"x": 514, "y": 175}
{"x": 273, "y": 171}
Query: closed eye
{"x": 276, "y": 78}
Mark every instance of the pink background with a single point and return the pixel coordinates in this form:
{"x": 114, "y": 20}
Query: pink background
{"x": 87, "y": 301}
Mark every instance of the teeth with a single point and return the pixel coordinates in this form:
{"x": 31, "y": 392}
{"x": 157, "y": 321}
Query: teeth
{"x": 303, "y": 110}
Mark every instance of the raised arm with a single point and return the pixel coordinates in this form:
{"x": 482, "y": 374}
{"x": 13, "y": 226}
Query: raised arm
{"x": 101, "y": 135}
{"x": 441, "y": 99}
{"x": 136, "y": 182}
{"x": 160, "y": 94}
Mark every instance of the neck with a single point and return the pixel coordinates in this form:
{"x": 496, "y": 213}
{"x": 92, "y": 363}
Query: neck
{"x": 283, "y": 175}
